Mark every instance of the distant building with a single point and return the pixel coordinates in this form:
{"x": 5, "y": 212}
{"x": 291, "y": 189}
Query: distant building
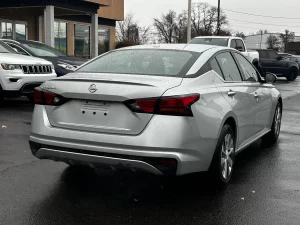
{"x": 258, "y": 41}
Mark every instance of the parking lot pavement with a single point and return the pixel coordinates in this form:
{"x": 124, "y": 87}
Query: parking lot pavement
{"x": 265, "y": 188}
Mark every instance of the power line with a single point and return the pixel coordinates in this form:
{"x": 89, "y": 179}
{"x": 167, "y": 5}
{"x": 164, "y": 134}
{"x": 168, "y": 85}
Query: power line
{"x": 256, "y": 28}
{"x": 263, "y": 23}
{"x": 277, "y": 17}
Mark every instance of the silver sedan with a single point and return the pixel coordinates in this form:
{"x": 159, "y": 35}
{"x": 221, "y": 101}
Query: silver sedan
{"x": 166, "y": 110}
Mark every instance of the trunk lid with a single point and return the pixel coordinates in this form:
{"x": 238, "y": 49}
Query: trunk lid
{"x": 96, "y": 102}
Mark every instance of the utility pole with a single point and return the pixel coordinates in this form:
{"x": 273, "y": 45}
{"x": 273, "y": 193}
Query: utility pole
{"x": 261, "y": 34}
{"x": 189, "y": 29}
{"x": 219, "y": 11}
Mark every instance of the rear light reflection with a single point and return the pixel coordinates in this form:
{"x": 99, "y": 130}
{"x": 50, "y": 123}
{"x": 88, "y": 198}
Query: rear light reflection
{"x": 175, "y": 106}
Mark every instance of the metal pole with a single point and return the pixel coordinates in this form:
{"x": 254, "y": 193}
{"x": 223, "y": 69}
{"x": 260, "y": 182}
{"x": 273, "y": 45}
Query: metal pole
{"x": 219, "y": 11}
{"x": 261, "y": 33}
{"x": 189, "y": 29}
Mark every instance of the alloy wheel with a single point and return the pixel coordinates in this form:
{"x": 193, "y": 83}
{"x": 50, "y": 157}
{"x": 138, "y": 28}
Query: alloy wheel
{"x": 227, "y": 155}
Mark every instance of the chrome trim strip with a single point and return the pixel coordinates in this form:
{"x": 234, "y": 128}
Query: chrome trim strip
{"x": 91, "y": 160}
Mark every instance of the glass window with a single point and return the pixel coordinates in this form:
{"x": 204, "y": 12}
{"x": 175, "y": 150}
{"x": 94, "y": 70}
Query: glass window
{"x": 263, "y": 54}
{"x": 249, "y": 72}
{"x": 272, "y": 55}
{"x": 20, "y": 31}
{"x": 143, "y": 62}
{"x": 103, "y": 39}
{"x": 240, "y": 45}
{"x": 215, "y": 66}
{"x": 19, "y": 49}
{"x": 82, "y": 40}
{"x": 210, "y": 41}
{"x": 4, "y": 48}
{"x": 229, "y": 67}
{"x": 233, "y": 44}
{"x": 60, "y": 36}
{"x": 7, "y": 32}
{"x": 42, "y": 50}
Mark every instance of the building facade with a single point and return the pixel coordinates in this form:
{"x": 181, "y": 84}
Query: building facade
{"x": 75, "y": 27}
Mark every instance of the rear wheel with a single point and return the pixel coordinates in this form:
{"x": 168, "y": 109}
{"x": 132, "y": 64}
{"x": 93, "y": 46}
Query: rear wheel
{"x": 1, "y": 98}
{"x": 223, "y": 160}
{"x": 272, "y": 137}
{"x": 293, "y": 74}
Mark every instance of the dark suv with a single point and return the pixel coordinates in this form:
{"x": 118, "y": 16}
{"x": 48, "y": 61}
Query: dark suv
{"x": 271, "y": 61}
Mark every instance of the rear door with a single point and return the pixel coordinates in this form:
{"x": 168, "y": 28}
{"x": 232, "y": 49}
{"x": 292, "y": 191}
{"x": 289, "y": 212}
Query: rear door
{"x": 260, "y": 92}
{"x": 235, "y": 92}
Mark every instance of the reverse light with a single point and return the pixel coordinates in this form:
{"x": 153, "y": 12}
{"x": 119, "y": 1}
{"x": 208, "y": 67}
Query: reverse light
{"x": 174, "y": 106}
{"x": 42, "y": 97}
{"x": 10, "y": 66}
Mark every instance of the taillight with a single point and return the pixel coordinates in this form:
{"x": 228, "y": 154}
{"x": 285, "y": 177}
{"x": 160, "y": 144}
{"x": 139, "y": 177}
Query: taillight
{"x": 174, "y": 106}
{"x": 42, "y": 97}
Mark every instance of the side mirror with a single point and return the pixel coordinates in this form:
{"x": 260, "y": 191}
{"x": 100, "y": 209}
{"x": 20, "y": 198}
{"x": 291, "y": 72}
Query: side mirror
{"x": 279, "y": 57}
{"x": 270, "y": 78}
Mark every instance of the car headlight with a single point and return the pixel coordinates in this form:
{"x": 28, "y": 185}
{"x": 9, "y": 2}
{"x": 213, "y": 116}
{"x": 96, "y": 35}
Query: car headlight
{"x": 10, "y": 66}
{"x": 67, "y": 66}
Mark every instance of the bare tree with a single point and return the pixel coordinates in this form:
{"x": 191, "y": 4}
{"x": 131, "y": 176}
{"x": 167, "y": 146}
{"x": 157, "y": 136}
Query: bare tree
{"x": 240, "y": 34}
{"x": 286, "y": 37}
{"x": 167, "y": 27}
{"x": 273, "y": 42}
{"x": 260, "y": 32}
{"x": 129, "y": 31}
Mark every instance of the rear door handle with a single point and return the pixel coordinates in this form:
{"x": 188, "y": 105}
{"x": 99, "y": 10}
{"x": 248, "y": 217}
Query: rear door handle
{"x": 231, "y": 93}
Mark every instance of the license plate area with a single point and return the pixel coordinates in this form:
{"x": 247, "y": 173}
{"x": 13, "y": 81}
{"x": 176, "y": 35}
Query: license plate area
{"x": 95, "y": 106}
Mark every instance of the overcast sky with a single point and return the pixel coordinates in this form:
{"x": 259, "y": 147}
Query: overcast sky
{"x": 146, "y": 10}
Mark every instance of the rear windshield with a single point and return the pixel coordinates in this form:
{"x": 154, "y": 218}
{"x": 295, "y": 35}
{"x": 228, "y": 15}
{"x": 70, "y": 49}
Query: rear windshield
{"x": 210, "y": 41}
{"x": 143, "y": 62}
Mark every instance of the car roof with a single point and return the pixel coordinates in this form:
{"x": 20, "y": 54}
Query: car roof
{"x": 20, "y": 41}
{"x": 220, "y": 37}
{"x": 180, "y": 47}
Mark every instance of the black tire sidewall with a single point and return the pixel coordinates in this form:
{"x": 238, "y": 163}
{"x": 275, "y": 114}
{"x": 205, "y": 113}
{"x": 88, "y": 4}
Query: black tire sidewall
{"x": 291, "y": 77}
{"x": 215, "y": 169}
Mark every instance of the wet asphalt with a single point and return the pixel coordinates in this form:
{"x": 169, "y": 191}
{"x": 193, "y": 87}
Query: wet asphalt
{"x": 265, "y": 187}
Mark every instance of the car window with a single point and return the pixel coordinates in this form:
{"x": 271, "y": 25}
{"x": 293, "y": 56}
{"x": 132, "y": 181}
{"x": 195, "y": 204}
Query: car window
{"x": 249, "y": 72}
{"x": 228, "y": 67}
{"x": 233, "y": 44}
{"x": 42, "y": 50}
{"x": 263, "y": 54}
{"x": 210, "y": 41}
{"x": 20, "y": 50}
{"x": 241, "y": 45}
{"x": 143, "y": 62}
{"x": 272, "y": 55}
{"x": 215, "y": 66}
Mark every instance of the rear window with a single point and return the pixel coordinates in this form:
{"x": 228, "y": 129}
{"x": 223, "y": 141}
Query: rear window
{"x": 143, "y": 62}
{"x": 210, "y": 41}
{"x": 263, "y": 54}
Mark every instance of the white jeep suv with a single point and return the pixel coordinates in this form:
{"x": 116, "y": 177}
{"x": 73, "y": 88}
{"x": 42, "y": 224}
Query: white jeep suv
{"x": 20, "y": 74}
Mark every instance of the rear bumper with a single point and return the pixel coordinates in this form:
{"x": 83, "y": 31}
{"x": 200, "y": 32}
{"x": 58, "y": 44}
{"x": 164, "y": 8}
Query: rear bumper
{"x": 169, "y": 146}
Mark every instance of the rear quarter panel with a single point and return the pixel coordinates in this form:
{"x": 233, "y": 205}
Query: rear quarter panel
{"x": 211, "y": 111}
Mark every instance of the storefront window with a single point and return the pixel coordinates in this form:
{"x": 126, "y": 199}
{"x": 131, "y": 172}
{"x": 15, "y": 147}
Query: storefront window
{"x": 7, "y": 32}
{"x": 82, "y": 40}
{"x": 20, "y": 31}
{"x": 60, "y": 36}
{"x": 103, "y": 39}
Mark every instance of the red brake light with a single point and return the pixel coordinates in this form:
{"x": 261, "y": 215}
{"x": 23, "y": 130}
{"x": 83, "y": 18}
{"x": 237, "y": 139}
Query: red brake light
{"x": 175, "y": 106}
{"x": 42, "y": 97}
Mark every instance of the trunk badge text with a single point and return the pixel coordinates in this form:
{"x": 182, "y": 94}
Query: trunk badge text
{"x": 93, "y": 88}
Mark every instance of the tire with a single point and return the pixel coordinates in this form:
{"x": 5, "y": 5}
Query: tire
{"x": 223, "y": 161}
{"x": 2, "y": 99}
{"x": 31, "y": 98}
{"x": 271, "y": 138}
{"x": 293, "y": 74}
